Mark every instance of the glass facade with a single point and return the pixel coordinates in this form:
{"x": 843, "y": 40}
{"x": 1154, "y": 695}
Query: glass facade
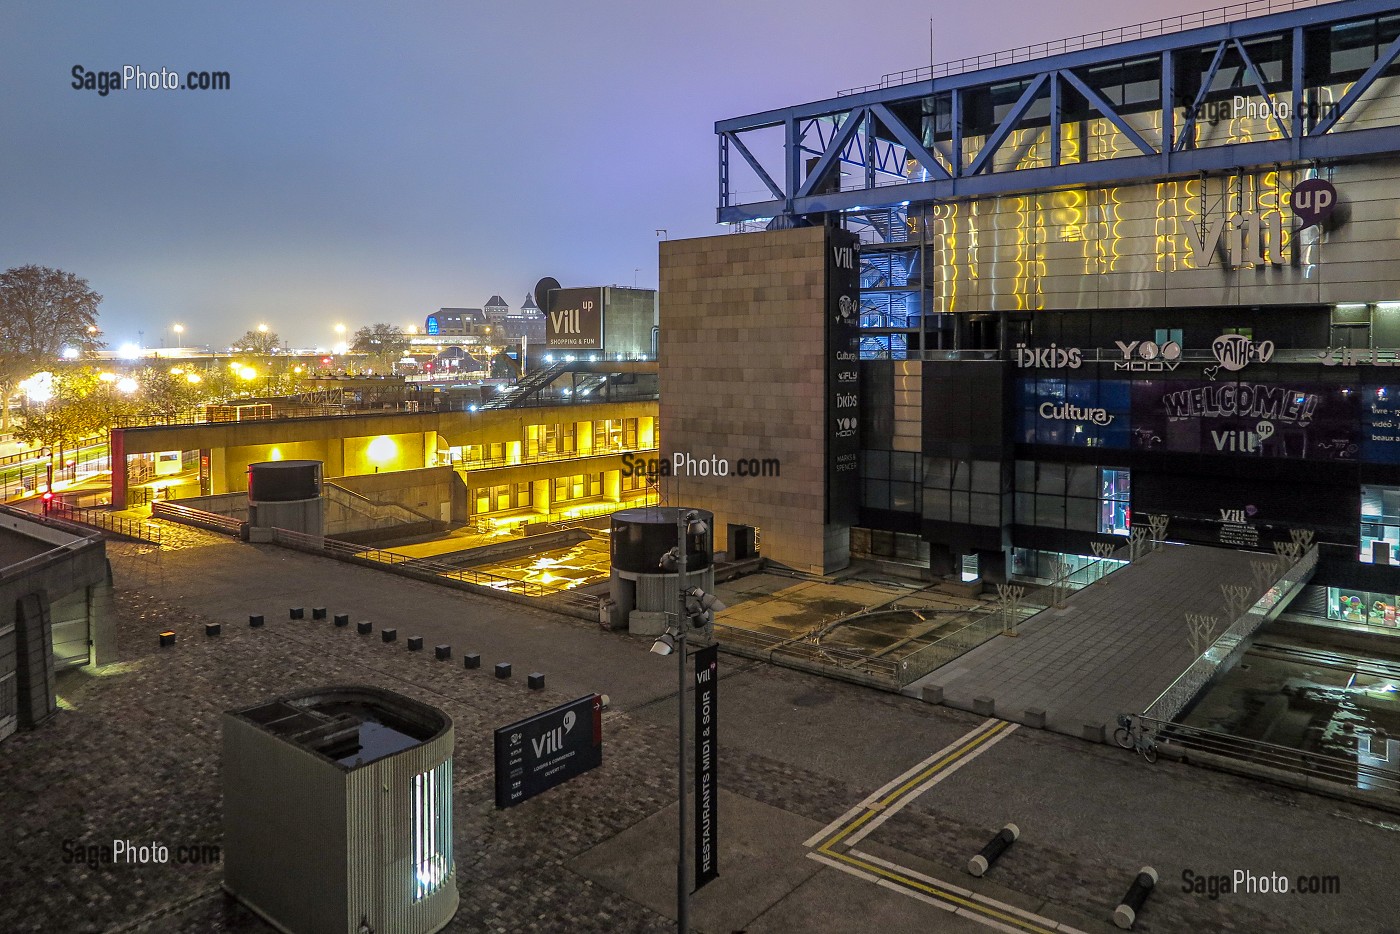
{"x": 1380, "y": 524}
{"x": 1362, "y": 606}
{"x": 432, "y": 829}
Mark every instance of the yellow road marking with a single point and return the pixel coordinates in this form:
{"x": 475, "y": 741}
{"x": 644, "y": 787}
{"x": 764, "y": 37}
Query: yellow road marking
{"x": 863, "y": 867}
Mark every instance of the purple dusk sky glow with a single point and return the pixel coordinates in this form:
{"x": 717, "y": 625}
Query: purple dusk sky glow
{"x": 373, "y": 162}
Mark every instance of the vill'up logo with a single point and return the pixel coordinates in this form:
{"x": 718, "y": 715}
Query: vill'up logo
{"x": 1314, "y": 200}
{"x": 553, "y": 741}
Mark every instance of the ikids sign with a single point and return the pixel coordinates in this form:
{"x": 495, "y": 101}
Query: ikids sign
{"x": 1255, "y": 238}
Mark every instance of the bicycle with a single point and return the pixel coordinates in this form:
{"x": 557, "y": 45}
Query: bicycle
{"x": 1135, "y": 736}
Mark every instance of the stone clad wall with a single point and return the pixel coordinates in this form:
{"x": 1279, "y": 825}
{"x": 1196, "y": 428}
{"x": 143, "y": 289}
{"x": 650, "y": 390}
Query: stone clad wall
{"x": 742, "y": 371}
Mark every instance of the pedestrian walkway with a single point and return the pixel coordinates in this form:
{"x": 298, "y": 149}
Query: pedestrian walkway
{"x": 1113, "y": 648}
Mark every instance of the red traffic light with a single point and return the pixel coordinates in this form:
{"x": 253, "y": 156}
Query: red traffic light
{"x": 47, "y": 496}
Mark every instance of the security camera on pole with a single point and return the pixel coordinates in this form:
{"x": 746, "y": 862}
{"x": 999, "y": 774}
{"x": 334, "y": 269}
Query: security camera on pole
{"x": 694, "y": 610}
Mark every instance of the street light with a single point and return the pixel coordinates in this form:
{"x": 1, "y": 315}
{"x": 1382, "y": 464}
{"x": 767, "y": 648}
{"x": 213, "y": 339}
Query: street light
{"x": 694, "y": 608}
{"x": 179, "y": 330}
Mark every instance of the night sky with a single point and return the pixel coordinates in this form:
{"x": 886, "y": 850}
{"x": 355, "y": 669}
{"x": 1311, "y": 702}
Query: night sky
{"x": 375, "y": 162}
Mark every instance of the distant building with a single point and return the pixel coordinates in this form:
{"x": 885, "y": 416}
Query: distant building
{"x": 456, "y": 322}
{"x": 496, "y": 309}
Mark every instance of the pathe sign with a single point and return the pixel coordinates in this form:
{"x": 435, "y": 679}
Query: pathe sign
{"x": 537, "y": 753}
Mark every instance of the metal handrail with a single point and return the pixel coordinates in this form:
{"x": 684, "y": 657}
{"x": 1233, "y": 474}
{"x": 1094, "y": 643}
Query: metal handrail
{"x": 420, "y": 568}
{"x": 98, "y": 517}
{"x": 494, "y": 462}
{"x": 1271, "y": 755}
{"x": 1092, "y": 40}
{"x": 1321, "y": 356}
{"x": 1189, "y": 683}
{"x": 199, "y": 518}
{"x": 845, "y": 659}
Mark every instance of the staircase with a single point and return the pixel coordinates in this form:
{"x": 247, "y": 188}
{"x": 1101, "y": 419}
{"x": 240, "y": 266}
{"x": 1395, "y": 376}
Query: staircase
{"x": 530, "y": 386}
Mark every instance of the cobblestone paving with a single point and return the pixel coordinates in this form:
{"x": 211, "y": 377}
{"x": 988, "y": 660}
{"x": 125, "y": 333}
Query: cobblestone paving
{"x": 134, "y": 755}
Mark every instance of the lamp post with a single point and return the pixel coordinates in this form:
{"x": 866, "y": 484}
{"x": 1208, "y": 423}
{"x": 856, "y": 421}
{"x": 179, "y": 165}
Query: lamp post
{"x": 673, "y": 640}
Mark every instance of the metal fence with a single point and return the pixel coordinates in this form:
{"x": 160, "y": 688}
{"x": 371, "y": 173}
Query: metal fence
{"x": 1301, "y": 763}
{"x": 1092, "y": 40}
{"x": 809, "y": 655}
{"x": 199, "y": 518}
{"x": 484, "y": 582}
{"x": 1189, "y": 683}
{"x": 100, "y": 518}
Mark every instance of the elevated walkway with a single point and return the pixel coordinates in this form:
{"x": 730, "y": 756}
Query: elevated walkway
{"x": 1123, "y": 644}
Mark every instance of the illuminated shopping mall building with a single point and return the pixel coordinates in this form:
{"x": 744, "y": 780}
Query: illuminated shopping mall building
{"x": 1148, "y": 273}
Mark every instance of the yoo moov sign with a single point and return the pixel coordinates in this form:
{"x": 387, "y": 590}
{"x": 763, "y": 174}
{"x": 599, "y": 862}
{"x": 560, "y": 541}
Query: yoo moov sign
{"x": 574, "y": 319}
{"x": 537, "y": 753}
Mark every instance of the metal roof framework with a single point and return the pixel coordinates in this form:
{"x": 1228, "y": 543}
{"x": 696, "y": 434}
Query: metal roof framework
{"x": 883, "y": 133}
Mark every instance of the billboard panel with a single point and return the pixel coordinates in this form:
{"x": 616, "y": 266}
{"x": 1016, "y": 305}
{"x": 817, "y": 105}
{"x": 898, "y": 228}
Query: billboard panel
{"x": 574, "y": 319}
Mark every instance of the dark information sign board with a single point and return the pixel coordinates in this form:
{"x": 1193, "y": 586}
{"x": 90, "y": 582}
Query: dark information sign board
{"x": 575, "y": 319}
{"x": 539, "y": 752}
{"x": 842, "y": 377}
{"x": 706, "y": 763}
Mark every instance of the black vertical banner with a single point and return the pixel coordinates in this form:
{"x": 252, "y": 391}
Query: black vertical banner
{"x": 842, "y": 377}
{"x": 706, "y": 762}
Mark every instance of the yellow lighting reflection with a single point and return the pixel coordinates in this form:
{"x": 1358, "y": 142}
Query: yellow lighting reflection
{"x": 382, "y": 449}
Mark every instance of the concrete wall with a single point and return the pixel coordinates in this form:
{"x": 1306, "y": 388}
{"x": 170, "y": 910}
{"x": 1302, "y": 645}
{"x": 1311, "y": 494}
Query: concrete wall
{"x": 743, "y": 374}
{"x": 436, "y": 492}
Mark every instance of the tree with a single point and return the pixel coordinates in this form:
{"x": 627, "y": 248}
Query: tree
{"x": 42, "y": 310}
{"x": 385, "y": 342}
{"x": 261, "y": 341}
{"x": 80, "y": 404}
{"x": 170, "y": 392}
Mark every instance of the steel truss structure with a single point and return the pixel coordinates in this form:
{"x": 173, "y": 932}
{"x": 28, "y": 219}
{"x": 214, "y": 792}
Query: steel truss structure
{"x": 1148, "y": 106}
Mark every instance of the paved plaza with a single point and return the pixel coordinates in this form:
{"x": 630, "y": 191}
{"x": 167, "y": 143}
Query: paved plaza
{"x": 134, "y": 755}
{"x": 1113, "y": 648}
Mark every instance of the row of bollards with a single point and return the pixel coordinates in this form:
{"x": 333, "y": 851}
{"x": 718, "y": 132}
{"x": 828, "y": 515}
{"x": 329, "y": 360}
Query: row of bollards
{"x": 1124, "y": 915}
{"x": 535, "y": 680}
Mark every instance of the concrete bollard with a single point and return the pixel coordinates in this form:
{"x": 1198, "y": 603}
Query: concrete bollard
{"x": 471, "y": 660}
{"x": 1127, "y": 911}
{"x": 535, "y": 680}
{"x": 364, "y": 628}
{"x": 318, "y": 612}
{"x": 443, "y": 652}
{"x": 213, "y": 629}
{"x": 167, "y": 639}
{"x": 388, "y": 635}
{"x": 342, "y": 619}
{"x": 415, "y": 643}
{"x": 503, "y": 669}
{"x": 255, "y": 621}
{"x": 996, "y": 846}
{"x": 298, "y": 612}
